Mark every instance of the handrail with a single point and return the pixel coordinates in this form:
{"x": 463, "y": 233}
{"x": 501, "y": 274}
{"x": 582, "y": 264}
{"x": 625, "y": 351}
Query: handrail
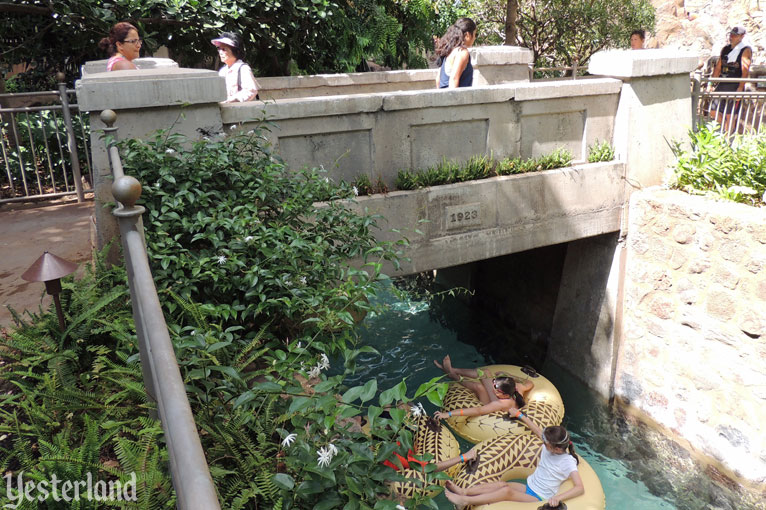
{"x": 736, "y": 111}
{"x": 162, "y": 377}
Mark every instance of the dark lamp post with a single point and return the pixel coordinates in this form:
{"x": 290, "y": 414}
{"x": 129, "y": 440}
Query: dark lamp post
{"x": 50, "y": 269}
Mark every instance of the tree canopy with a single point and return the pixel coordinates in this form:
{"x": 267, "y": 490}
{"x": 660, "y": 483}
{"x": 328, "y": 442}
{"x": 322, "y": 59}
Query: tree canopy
{"x": 281, "y": 36}
{"x": 560, "y": 32}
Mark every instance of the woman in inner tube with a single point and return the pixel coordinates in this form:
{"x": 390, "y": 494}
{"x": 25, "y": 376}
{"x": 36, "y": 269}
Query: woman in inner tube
{"x": 497, "y": 394}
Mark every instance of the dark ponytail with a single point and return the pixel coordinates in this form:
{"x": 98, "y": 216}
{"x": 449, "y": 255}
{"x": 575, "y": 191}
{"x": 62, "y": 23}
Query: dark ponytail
{"x": 559, "y": 437}
{"x": 117, "y": 33}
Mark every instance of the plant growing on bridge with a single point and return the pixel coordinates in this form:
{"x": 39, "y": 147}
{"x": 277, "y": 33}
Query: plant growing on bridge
{"x": 714, "y": 166}
{"x": 600, "y": 152}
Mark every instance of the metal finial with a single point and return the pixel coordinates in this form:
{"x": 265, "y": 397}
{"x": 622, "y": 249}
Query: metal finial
{"x": 108, "y": 117}
{"x": 126, "y": 190}
{"x": 60, "y": 77}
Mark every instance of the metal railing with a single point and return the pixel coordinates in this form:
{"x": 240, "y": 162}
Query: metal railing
{"x": 162, "y": 377}
{"x": 573, "y": 69}
{"x": 40, "y": 146}
{"x": 736, "y": 112}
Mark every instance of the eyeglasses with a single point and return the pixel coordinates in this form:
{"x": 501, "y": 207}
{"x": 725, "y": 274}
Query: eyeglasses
{"x": 138, "y": 41}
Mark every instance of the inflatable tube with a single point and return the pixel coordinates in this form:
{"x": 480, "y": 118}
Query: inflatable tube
{"x": 544, "y": 406}
{"x": 439, "y": 442}
{"x": 515, "y": 457}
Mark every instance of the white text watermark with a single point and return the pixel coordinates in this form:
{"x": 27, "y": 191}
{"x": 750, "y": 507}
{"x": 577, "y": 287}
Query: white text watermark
{"x": 57, "y": 489}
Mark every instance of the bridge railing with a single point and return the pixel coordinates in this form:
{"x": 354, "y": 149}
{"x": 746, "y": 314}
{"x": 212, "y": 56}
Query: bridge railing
{"x": 736, "y": 112}
{"x": 40, "y": 146}
{"x": 162, "y": 377}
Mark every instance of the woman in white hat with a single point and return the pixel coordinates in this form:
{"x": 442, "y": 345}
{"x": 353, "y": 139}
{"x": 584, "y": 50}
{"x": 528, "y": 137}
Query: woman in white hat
{"x": 240, "y": 82}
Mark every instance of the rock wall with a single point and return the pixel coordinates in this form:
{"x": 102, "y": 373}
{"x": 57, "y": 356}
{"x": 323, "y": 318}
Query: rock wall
{"x": 701, "y": 25}
{"x": 693, "y": 352}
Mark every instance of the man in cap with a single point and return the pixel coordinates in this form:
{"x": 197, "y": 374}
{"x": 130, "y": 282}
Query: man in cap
{"x": 734, "y": 62}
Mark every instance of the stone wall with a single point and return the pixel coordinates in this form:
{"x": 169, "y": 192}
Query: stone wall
{"x": 693, "y": 354}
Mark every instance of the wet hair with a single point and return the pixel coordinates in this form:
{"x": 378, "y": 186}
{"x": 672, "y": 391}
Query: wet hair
{"x": 559, "y": 437}
{"x": 508, "y": 386}
{"x": 118, "y": 33}
{"x": 454, "y": 36}
{"x": 238, "y": 51}
{"x": 640, "y": 33}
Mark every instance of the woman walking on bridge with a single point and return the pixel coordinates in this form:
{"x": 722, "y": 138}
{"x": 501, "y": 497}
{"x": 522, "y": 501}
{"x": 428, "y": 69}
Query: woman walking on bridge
{"x": 456, "y": 69}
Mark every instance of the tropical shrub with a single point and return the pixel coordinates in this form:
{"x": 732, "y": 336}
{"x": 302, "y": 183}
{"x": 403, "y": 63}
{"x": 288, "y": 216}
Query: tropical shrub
{"x": 714, "y": 165}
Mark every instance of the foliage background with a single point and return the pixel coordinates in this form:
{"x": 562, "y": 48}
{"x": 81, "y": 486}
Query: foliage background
{"x": 281, "y": 36}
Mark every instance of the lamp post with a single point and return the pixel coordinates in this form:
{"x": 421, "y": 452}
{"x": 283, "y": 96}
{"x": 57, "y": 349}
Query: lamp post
{"x": 50, "y": 269}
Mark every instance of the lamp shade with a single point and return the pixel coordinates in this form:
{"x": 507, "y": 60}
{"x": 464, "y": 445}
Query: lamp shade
{"x": 48, "y": 267}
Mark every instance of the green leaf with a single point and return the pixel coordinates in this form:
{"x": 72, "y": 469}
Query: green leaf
{"x": 284, "y": 481}
{"x": 369, "y": 390}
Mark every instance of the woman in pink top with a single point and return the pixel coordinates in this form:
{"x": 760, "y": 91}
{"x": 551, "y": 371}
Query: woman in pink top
{"x": 240, "y": 82}
{"x": 123, "y": 46}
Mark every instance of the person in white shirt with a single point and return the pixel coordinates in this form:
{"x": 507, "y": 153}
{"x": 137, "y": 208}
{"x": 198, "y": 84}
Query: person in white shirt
{"x": 558, "y": 462}
{"x": 240, "y": 82}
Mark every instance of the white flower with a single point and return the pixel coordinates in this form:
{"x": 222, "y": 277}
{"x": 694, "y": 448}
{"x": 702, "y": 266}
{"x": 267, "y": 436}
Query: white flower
{"x": 324, "y": 457}
{"x": 315, "y": 372}
{"x": 400, "y": 507}
{"x": 300, "y": 345}
{"x": 249, "y": 238}
{"x": 356, "y": 191}
{"x": 322, "y": 167}
{"x": 327, "y": 180}
{"x": 169, "y": 151}
{"x": 221, "y": 260}
{"x": 333, "y": 449}
{"x": 233, "y": 127}
{"x": 303, "y": 280}
{"x": 324, "y": 362}
{"x": 418, "y": 410}
{"x": 157, "y": 184}
{"x": 288, "y": 440}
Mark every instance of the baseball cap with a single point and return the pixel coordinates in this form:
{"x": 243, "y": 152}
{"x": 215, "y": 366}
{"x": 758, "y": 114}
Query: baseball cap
{"x": 737, "y": 30}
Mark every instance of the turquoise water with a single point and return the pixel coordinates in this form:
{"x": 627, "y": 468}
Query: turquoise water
{"x": 410, "y": 334}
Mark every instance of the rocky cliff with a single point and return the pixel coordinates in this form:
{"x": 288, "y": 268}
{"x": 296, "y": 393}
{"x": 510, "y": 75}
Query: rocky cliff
{"x": 701, "y": 25}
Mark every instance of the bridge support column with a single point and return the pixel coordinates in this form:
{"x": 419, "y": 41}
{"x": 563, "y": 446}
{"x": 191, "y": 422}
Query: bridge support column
{"x": 182, "y": 100}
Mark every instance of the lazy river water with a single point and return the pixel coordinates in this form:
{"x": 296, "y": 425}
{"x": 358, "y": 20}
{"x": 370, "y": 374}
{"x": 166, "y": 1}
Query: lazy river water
{"x": 410, "y": 334}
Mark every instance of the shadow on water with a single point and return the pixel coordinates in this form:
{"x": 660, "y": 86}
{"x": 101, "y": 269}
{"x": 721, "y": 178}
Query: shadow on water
{"x": 638, "y": 467}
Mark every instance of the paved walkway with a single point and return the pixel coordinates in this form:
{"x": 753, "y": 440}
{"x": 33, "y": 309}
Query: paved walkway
{"x": 26, "y": 231}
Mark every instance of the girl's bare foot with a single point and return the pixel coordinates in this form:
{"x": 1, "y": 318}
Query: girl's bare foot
{"x": 455, "y": 499}
{"x": 447, "y": 364}
{"x": 454, "y": 488}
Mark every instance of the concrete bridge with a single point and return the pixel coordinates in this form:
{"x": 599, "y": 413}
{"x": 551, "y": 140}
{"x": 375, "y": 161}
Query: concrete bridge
{"x": 379, "y": 123}
{"x": 546, "y": 250}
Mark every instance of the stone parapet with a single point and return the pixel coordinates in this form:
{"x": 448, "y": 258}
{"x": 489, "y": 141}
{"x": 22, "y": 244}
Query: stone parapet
{"x": 149, "y": 88}
{"x": 568, "y": 88}
{"x": 99, "y": 66}
{"x": 478, "y": 220}
{"x": 693, "y": 352}
{"x": 637, "y": 63}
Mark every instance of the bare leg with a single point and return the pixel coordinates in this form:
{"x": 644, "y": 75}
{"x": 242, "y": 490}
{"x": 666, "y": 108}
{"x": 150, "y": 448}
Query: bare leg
{"x": 505, "y": 493}
{"x": 459, "y": 374}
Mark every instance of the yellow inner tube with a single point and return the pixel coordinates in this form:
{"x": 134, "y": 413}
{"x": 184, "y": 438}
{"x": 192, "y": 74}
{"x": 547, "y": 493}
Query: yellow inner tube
{"x": 442, "y": 444}
{"x": 515, "y": 457}
{"x": 543, "y": 405}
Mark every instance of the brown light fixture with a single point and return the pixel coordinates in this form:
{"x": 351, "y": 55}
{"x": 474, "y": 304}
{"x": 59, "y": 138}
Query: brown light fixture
{"x": 50, "y": 269}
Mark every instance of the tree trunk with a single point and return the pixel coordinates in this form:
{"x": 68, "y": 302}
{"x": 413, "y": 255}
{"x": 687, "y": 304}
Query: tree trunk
{"x": 511, "y": 14}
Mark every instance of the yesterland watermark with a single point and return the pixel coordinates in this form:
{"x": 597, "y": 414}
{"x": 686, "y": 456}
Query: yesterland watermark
{"x": 68, "y": 490}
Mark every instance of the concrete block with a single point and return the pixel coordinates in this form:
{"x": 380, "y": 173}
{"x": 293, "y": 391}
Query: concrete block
{"x": 500, "y": 55}
{"x": 635, "y": 63}
{"x": 150, "y": 88}
{"x": 431, "y": 143}
{"x": 99, "y": 66}
{"x": 568, "y": 88}
{"x": 448, "y": 97}
{"x": 301, "y": 108}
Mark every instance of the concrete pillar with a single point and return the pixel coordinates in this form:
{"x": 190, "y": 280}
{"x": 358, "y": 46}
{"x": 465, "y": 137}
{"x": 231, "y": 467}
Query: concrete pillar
{"x": 587, "y": 315}
{"x": 496, "y": 65}
{"x": 159, "y": 97}
{"x": 654, "y": 108}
